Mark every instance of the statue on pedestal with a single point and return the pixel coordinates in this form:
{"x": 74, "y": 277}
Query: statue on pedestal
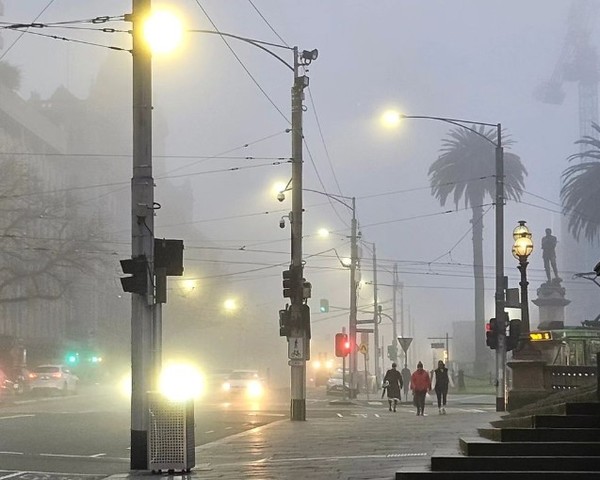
{"x": 549, "y": 255}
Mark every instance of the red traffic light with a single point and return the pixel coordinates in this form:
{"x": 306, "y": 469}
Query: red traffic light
{"x": 342, "y": 345}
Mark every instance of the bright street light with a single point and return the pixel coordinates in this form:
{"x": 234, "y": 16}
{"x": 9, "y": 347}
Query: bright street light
{"x": 230, "y": 305}
{"x": 323, "y": 232}
{"x": 163, "y": 31}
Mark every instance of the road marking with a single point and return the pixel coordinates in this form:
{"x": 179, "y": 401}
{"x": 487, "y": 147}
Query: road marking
{"x": 340, "y": 415}
{"x": 98, "y": 455}
{"x": 12, "y": 453}
{"x": 228, "y": 428}
{"x": 471, "y": 410}
{"x": 16, "y": 416}
{"x": 14, "y": 474}
{"x": 377, "y": 415}
{"x": 210, "y": 431}
{"x": 342, "y": 457}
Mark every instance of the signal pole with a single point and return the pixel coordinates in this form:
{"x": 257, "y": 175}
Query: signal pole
{"x": 142, "y": 236}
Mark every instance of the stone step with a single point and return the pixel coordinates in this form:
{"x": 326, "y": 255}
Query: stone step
{"x": 553, "y": 421}
{"x": 412, "y": 473}
{"x": 518, "y": 463}
{"x": 476, "y": 446}
{"x": 589, "y": 408}
{"x": 566, "y": 421}
{"x": 540, "y": 434}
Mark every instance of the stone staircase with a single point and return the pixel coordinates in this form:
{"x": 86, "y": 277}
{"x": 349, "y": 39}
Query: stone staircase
{"x": 564, "y": 444}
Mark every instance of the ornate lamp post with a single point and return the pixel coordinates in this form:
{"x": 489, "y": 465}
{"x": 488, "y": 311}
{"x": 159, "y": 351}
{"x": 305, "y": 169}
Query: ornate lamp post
{"x": 521, "y": 250}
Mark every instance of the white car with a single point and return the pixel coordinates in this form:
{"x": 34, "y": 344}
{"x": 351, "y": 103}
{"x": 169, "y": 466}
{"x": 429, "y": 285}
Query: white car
{"x": 244, "y": 382}
{"x": 53, "y": 377}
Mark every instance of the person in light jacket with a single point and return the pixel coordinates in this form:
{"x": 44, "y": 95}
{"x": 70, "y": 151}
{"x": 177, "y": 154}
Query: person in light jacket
{"x": 440, "y": 383}
{"x": 420, "y": 384}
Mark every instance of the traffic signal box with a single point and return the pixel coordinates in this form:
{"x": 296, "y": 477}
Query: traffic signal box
{"x": 324, "y": 305}
{"x": 137, "y": 267}
{"x": 342, "y": 345}
{"x": 392, "y": 352}
{"x": 491, "y": 334}
{"x": 286, "y": 324}
{"x": 287, "y": 283}
{"x": 492, "y": 330}
{"x": 514, "y": 333}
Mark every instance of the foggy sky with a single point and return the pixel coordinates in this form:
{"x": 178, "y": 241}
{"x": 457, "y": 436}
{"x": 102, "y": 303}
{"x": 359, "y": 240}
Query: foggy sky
{"x": 470, "y": 59}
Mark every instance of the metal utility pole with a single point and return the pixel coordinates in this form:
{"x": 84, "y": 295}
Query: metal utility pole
{"x": 353, "y": 300}
{"x": 142, "y": 236}
{"x": 375, "y": 321}
{"x": 298, "y": 367}
{"x": 394, "y": 315}
{"x": 499, "y": 292}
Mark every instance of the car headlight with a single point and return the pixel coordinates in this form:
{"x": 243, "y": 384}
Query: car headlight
{"x": 254, "y": 389}
{"x": 227, "y": 386}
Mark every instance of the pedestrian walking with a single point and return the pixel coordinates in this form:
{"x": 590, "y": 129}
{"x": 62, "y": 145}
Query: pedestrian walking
{"x": 440, "y": 383}
{"x": 406, "y": 380}
{"x": 393, "y": 378}
{"x": 420, "y": 384}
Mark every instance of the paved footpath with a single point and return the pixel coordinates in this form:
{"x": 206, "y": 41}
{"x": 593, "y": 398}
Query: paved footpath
{"x": 362, "y": 441}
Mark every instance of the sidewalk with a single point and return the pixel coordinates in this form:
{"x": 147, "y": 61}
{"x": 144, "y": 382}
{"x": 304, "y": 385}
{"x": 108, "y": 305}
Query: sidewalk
{"x": 350, "y": 442}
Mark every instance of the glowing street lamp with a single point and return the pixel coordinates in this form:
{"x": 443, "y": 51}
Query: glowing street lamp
{"x": 163, "y": 31}
{"x": 521, "y": 250}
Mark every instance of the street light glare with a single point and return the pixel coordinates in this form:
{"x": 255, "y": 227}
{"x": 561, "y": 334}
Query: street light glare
{"x": 391, "y": 118}
{"x": 323, "y": 232}
{"x": 230, "y": 305}
{"x": 163, "y": 31}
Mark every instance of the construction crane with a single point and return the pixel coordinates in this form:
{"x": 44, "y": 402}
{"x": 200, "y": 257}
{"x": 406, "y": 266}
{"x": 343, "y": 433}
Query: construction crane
{"x": 578, "y": 62}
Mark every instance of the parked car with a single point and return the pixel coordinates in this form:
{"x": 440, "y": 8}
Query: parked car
{"x": 244, "y": 382}
{"x": 53, "y": 377}
{"x": 336, "y": 385}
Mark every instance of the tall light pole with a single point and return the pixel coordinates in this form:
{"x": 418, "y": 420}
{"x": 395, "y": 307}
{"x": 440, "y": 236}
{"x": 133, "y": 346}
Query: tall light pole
{"x": 300, "y": 326}
{"x": 142, "y": 236}
{"x": 499, "y": 220}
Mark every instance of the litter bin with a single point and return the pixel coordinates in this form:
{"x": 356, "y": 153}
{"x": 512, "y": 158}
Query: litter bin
{"x": 171, "y": 434}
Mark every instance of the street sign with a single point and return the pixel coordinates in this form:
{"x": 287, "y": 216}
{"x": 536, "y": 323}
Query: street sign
{"x": 364, "y": 349}
{"x": 296, "y": 363}
{"x": 438, "y": 345}
{"x": 404, "y": 342}
{"x": 296, "y": 348}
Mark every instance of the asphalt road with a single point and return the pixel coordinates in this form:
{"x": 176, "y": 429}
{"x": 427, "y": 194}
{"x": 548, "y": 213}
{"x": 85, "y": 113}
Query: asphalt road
{"x": 87, "y": 435}
{"x": 89, "y": 432}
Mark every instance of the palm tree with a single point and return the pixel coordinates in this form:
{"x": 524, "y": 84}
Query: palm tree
{"x": 580, "y": 194}
{"x": 465, "y": 169}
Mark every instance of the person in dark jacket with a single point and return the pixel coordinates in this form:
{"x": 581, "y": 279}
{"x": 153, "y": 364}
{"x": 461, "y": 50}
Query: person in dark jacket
{"x": 441, "y": 381}
{"x": 393, "y": 379}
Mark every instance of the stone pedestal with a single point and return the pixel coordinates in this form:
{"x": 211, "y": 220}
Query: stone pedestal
{"x": 525, "y": 383}
{"x": 551, "y": 302}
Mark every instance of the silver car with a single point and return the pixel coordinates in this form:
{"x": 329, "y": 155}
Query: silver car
{"x": 53, "y": 377}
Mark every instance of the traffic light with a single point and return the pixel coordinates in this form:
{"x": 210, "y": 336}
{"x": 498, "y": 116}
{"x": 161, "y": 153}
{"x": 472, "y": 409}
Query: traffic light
{"x": 72, "y": 358}
{"x": 287, "y": 283}
{"x": 324, "y": 305}
{"x": 342, "y": 345}
{"x": 491, "y": 334}
{"x": 514, "y": 332}
{"x": 137, "y": 267}
{"x": 285, "y": 322}
{"x": 393, "y": 352}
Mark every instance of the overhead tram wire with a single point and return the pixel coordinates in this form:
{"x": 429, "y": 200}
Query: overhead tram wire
{"x": 9, "y": 48}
